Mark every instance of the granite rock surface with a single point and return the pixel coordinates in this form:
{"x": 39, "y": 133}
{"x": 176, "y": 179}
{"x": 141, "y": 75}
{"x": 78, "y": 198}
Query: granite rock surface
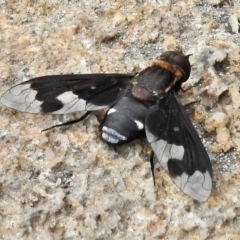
{"x": 66, "y": 183}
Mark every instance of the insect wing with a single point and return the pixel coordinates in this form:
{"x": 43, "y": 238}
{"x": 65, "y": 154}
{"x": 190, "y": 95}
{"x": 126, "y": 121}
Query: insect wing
{"x": 61, "y": 94}
{"x": 178, "y": 147}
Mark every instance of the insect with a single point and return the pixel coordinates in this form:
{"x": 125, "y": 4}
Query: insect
{"x": 147, "y": 101}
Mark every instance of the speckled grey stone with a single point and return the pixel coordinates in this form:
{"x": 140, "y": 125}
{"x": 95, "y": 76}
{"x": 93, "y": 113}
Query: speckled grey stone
{"x": 67, "y": 184}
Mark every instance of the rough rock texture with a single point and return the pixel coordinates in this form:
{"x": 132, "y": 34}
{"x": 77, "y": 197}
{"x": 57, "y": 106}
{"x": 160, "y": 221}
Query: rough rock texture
{"x": 67, "y": 184}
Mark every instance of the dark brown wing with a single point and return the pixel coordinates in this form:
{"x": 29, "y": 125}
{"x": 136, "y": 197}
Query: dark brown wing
{"x": 61, "y": 94}
{"x": 178, "y": 147}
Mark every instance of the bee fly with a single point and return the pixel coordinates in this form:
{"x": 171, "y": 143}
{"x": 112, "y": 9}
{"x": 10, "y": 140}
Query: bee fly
{"x": 147, "y": 101}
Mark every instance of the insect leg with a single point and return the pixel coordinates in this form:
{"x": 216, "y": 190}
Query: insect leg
{"x": 152, "y": 167}
{"x": 69, "y": 122}
{"x": 190, "y": 103}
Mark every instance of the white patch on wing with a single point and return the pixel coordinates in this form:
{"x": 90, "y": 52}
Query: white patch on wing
{"x": 30, "y": 96}
{"x": 34, "y": 107}
{"x": 19, "y": 89}
{"x": 177, "y": 152}
{"x": 16, "y": 96}
{"x": 165, "y": 151}
{"x": 22, "y": 98}
{"x": 111, "y": 110}
{"x": 67, "y": 97}
{"x": 149, "y": 135}
{"x": 140, "y": 125}
{"x": 161, "y": 149}
{"x": 73, "y": 104}
{"x": 180, "y": 181}
{"x": 198, "y": 186}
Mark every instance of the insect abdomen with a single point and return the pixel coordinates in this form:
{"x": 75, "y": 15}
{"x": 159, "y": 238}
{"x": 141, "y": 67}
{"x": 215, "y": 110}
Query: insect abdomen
{"x": 124, "y": 121}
